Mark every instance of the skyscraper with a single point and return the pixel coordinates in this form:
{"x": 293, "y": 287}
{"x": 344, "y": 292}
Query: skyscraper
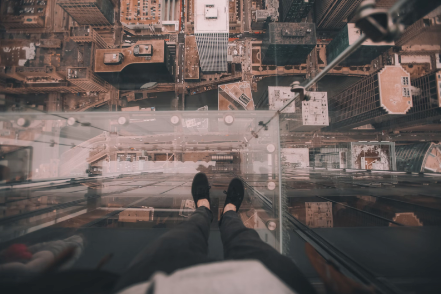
{"x": 89, "y": 12}
{"x": 419, "y": 157}
{"x": 150, "y": 59}
{"x": 313, "y": 113}
{"x": 211, "y": 25}
{"x": 333, "y": 14}
{"x": 279, "y": 97}
{"x": 86, "y": 79}
{"x": 288, "y": 43}
{"x": 23, "y": 14}
{"x": 295, "y": 10}
{"x": 426, "y": 109}
{"x": 235, "y": 96}
{"x": 379, "y": 97}
{"x": 425, "y": 31}
{"x": 363, "y": 55}
{"x": 85, "y": 34}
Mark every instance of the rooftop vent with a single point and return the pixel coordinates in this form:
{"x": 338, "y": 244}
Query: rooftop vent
{"x": 210, "y": 12}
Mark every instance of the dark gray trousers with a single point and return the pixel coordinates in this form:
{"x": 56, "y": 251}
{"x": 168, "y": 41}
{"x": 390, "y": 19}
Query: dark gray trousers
{"x": 187, "y": 245}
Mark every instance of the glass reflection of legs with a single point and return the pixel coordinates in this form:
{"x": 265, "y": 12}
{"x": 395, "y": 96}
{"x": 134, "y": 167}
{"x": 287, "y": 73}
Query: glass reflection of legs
{"x": 183, "y": 246}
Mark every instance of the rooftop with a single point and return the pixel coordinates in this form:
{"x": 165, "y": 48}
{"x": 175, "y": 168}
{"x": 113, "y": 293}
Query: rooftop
{"x": 191, "y": 68}
{"x": 80, "y": 31}
{"x": 235, "y": 96}
{"x": 143, "y": 12}
{"x": 292, "y": 33}
{"x": 129, "y": 56}
{"x": 16, "y": 52}
{"x": 76, "y": 73}
{"x": 279, "y": 96}
{"x": 394, "y": 88}
{"x": 19, "y": 14}
{"x": 211, "y": 16}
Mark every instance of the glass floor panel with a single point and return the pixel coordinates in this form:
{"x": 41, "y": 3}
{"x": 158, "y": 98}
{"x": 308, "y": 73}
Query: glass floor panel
{"x": 120, "y": 180}
{"x": 71, "y": 173}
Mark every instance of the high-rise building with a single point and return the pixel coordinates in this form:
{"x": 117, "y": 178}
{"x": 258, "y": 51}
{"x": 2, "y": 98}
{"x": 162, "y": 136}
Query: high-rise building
{"x": 142, "y": 52}
{"x": 211, "y": 28}
{"x": 260, "y": 17}
{"x": 90, "y": 12}
{"x": 426, "y": 96}
{"x": 425, "y": 31}
{"x": 312, "y": 113}
{"x": 279, "y": 97}
{"x": 288, "y": 43}
{"x": 86, "y": 34}
{"x": 86, "y": 79}
{"x": 191, "y": 69}
{"x": 235, "y": 96}
{"x": 379, "y": 97}
{"x": 295, "y": 10}
{"x": 23, "y": 14}
{"x": 150, "y": 59}
{"x": 333, "y": 14}
{"x": 145, "y": 14}
{"x": 367, "y": 52}
{"x": 419, "y": 157}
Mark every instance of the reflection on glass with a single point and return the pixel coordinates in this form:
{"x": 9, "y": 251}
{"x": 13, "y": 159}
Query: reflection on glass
{"x": 332, "y": 123}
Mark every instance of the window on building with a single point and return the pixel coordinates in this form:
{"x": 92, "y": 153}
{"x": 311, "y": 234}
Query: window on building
{"x": 405, "y": 81}
{"x": 406, "y": 92}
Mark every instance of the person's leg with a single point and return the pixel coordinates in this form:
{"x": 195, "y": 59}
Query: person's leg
{"x": 181, "y": 247}
{"x": 241, "y": 242}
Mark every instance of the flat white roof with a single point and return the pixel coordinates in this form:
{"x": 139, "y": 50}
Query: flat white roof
{"x": 279, "y": 96}
{"x": 211, "y": 16}
{"x": 315, "y": 111}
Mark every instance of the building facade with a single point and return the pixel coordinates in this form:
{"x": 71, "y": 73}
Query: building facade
{"x": 426, "y": 96}
{"x": 368, "y": 51}
{"x": 86, "y": 34}
{"x": 23, "y": 15}
{"x": 425, "y": 31}
{"x": 90, "y": 12}
{"x": 379, "y": 97}
{"x": 295, "y": 10}
{"x": 288, "y": 43}
{"x": 334, "y": 14}
{"x": 211, "y": 28}
{"x": 86, "y": 79}
{"x": 419, "y": 157}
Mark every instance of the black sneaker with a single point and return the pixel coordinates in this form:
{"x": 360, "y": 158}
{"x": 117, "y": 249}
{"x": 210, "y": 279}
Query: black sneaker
{"x": 200, "y": 189}
{"x": 235, "y": 193}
